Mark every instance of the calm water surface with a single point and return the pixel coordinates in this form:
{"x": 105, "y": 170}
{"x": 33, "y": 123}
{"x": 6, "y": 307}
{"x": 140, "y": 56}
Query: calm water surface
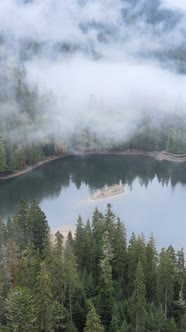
{"x": 155, "y": 200}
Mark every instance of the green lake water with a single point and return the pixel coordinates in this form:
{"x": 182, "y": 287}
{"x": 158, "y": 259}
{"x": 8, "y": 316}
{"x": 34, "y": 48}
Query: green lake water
{"x": 155, "y": 198}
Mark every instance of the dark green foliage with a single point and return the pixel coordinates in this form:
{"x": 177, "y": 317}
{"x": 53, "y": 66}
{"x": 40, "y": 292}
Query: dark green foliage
{"x": 151, "y": 275}
{"x": 105, "y": 287}
{"x": 20, "y": 310}
{"x": 138, "y": 300}
{"x": 3, "y": 161}
{"x": 44, "y": 300}
{"x": 92, "y": 282}
{"x": 22, "y": 226}
{"x": 166, "y": 278}
{"x": 93, "y": 323}
{"x": 119, "y": 262}
{"x": 39, "y": 227}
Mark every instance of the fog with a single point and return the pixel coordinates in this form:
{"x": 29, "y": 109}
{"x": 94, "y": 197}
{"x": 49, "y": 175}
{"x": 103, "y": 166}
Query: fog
{"x": 104, "y": 63}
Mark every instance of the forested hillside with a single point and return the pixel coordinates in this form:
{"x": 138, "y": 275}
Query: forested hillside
{"x": 114, "y": 79}
{"x": 94, "y": 281}
{"x": 22, "y": 141}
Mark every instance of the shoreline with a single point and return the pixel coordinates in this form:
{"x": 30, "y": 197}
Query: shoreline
{"x": 28, "y": 169}
{"x": 158, "y": 155}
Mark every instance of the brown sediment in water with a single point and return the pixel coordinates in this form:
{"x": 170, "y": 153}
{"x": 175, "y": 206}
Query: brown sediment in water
{"x": 159, "y": 155}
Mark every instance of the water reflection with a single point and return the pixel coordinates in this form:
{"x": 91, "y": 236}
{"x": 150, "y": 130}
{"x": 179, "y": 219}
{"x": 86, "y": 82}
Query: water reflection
{"x": 94, "y": 171}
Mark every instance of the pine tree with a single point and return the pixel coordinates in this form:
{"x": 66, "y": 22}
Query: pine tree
{"x": 21, "y": 225}
{"x": 138, "y": 299}
{"x": 79, "y": 243}
{"x": 39, "y": 227}
{"x": 166, "y": 278}
{"x": 160, "y": 321}
{"x": 57, "y": 268}
{"x": 120, "y": 255}
{"x": 97, "y": 233}
{"x": 125, "y": 327}
{"x": 88, "y": 247}
{"x": 93, "y": 323}
{"x": 20, "y": 310}
{"x": 106, "y": 283}
{"x": 28, "y": 269}
{"x": 180, "y": 272}
{"x": 115, "y": 324}
{"x": 172, "y": 325}
{"x": 44, "y": 299}
{"x": 151, "y": 275}
{"x": 110, "y": 219}
{"x": 183, "y": 323}
{"x": 3, "y": 161}
{"x": 71, "y": 277}
{"x": 83, "y": 245}
{"x": 136, "y": 252}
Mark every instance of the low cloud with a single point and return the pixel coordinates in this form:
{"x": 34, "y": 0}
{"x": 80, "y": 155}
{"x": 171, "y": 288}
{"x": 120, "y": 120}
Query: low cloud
{"x": 104, "y": 64}
{"x": 178, "y": 4}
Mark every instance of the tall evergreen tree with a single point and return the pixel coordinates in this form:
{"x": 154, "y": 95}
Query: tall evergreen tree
{"x": 71, "y": 277}
{"x": 20, "y": 310}
{"x": 166, "y": 278}
{"x": 97, "y": 233}
{"x": 138, "y": 299}
{"x": 21, "y": 225}
{"x": 3, "y": 160}
{"x": 120, "y": 254}
{"x": 39, "y": 227}
{"x": 57, "y": 268}
{"x": 151, "y": 275}
{"x": 79, "y": 243}
{"x": 44, "y": 301}
{"x": 136, "y": 252}
{"x": 93, "y": 323}
{"x": 105, "y": 286}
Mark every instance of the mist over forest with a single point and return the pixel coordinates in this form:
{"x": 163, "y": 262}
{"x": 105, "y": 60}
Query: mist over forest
{"x": 91, "y": 75}
{"x": 100, "y": 84}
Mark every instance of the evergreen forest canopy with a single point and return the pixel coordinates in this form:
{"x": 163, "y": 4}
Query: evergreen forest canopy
{"x": 94, "y": 281}
{"x": 41, "y": 107}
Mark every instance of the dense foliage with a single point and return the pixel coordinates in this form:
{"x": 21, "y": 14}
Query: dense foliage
{"x": 94, "y": 281}
{"x": 21, "y": 139}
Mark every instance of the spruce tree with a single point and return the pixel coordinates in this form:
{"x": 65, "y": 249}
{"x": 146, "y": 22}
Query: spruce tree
{"x": 79, "y": 242}
{"x": 3, "y": 160}
{"x": 57, "y": 269}
{"x": 138, "y": 300}
{"x": 71, "y": 277}
{"x": 44, "y": 300}
{"x": 120, "y": 255}
{"x": 97, "y": 233}
{"x": 136, "y": 252}
{"x": 21, "y": 225}
{"x": 20, "y": 310}
{"x": 105, "y": 286}
{"x": 39, "y": 227}
{"x": 166, "y": 278}
{"x": 93, "y": 323}
{"x": 151, "y": 275}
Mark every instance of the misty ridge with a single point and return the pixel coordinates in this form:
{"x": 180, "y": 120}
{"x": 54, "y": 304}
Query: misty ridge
{"x": 92, "y": 74}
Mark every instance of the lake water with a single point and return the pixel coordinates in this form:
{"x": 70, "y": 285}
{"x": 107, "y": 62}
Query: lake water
{"x": 155, "y": 200}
